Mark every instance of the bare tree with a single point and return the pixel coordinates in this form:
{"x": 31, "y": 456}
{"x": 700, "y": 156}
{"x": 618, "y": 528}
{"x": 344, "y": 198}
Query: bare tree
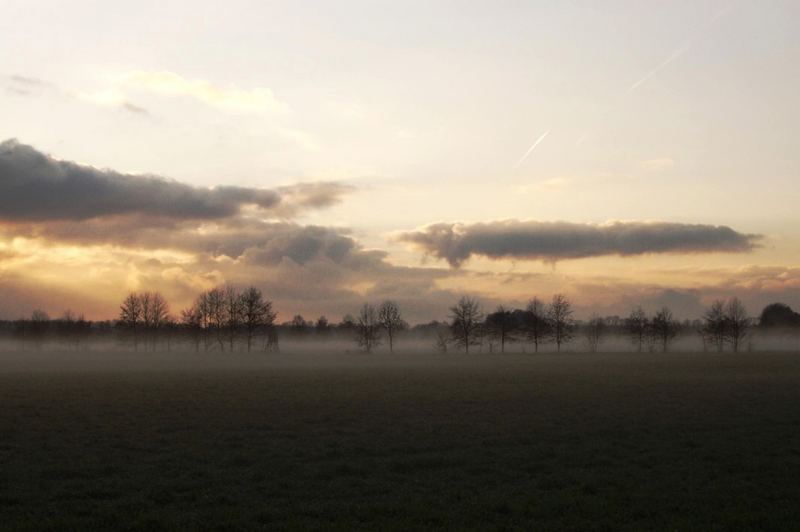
{"x": 144, "y": 302}
{"x": 257, "y": 314}
{"x": 595, "y": 329}
{"x": 738, "y": 323}
{"x": 299, "y": 327}
{"x": 559, "y": 314}
{"x": 214, "y": 301}
{"x": 197, "y": 319}
{"x": 715, "y": 326}
{"x": 160, "y": 318}
{"x": 130, "y": 317}
{"x": 501, "y": 326}
{"x": 391, "y": 320}
{"x": 536, "y": 324}
{"x": 155, "y": 314}
{"x": 466, "y": 318}
{"x": 233, "y": 315}
{"x": 192, "y": 320}
{"x": 637, "y": 325}
{"x": 664, "y": 328}
{"x": 368, "y": 328}
{"x": 322, "y": 326}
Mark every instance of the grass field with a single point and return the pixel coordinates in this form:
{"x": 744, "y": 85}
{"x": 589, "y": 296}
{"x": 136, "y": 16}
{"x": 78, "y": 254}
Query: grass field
{"x": 603, "y": 442}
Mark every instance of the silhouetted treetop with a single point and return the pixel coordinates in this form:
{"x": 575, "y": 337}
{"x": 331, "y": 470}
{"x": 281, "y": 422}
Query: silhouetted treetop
{"x": 779, "y": 315}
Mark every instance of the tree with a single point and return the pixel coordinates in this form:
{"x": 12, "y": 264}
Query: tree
{"x": 501, "y": 326}
{"x": 257, "y": 314}
{"x": 466, "y": 318}
{"x": 322, "y": 326}
{"x": 778, "y": 315}
{"x": 368, "y": 328}
{"x": 144, "y": 302}
{"x": 595, "y": 329}
{"x": 198, "y": 319}
{"x": 664, "y": 328}
{"x": 348, "y": 323}
{"x": 155, "y": 314}
{"x": 738, "y": 323}
{"x": 130, "y": 317}
{"x": 192, "y": 320}
{"x": 214, "y": 301}
{"x": 233, "y": 315}
{"x": 391, "y": 320}
{"x": 559, "y": 314}
{"x": 299, "y": 326}
{"x": 715, "y": 326}
{"x": 536, "y": 324}
{"x": 637, "y": 325}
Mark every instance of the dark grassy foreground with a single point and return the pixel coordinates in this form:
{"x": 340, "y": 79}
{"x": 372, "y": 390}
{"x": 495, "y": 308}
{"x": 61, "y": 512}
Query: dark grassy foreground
{"x": 573, "y": 442}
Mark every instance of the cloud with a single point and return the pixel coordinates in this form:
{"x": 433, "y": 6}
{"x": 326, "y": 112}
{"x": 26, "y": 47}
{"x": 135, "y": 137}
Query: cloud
{"x": 258, "y": 99}
{"x": 75, "y": 228}
{"x": 37, "y": 187}
{"x": 553, "y": 241}
{"x": 128, "y": 106}
{"x": 302, "y": 268}
{"x": 304, "y": 196}
{"x": 25, "y": 85}
{"x": 28, "y": 81}
{"x": 247, "y": 240}
{"x": 111, "y": 98}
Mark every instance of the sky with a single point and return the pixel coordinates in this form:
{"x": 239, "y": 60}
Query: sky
{"x": 334, "y": 153}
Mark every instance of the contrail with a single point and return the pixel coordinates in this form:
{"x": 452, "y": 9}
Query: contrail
{"x": 676, "y": 54}
{"x": 680, "y": 51}
{"x": 533, "y": 146}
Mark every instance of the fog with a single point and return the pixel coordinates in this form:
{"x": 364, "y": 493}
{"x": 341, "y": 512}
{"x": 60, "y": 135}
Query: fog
{"x": 311, "y": 354}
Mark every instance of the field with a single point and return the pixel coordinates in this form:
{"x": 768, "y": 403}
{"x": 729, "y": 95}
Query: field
{"x": 303, "y": 441}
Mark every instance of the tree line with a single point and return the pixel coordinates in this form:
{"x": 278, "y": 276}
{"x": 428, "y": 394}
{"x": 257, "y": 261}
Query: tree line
{"x": 221, "y": 318}
{"x": 723, "y": 324}
{"x": 227, "y": 319}
{"x": 553, "y": 323}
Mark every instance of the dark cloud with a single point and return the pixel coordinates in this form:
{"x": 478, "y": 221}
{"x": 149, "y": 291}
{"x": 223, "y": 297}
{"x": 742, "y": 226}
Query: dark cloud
{"x": 37, "y": 187}
{"x": 255, "y": 241}
{"x": 553, "y": 241}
